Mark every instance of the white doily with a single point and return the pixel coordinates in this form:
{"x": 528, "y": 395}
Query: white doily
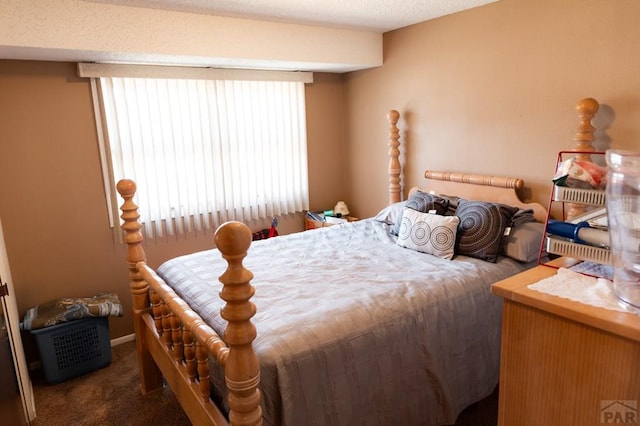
{"x": 583, "y": 289}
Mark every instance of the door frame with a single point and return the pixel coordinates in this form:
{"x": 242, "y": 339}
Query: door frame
{"x": 13, "y": 321}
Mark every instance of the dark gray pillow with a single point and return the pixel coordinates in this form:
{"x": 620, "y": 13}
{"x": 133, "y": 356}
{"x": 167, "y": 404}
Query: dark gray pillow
{"x": 453, "y": 204}
{"x": 481, "y": 228}
{"x": 425, "y": 203}
{"x": 524, "y": 241}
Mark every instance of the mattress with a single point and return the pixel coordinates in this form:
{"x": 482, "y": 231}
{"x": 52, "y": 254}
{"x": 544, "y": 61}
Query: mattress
{"x": 354, "y": 329}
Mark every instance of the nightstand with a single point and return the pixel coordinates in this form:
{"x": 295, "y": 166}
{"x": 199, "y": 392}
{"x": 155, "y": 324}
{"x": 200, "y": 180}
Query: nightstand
{"x": 564, "y": 362}
{"x": 310, "y": 223}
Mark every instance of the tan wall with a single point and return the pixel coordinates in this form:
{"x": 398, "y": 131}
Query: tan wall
{"x": 325, "y": 133}
{"x": 489, "y": 90}
{"x": 493, "y": 90}
{"x": 53, "y": 206}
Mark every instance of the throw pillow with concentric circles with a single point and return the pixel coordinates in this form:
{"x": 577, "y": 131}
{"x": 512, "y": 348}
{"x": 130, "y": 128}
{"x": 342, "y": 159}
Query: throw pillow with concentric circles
{"x": 428, "y": 233}
{"x": 481, "y": 228}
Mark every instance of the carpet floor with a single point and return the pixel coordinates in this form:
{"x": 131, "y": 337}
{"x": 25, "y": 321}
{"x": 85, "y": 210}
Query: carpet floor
{"x": 111, "y": 396}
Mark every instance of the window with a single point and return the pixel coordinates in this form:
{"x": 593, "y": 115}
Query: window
{"x": 205, "y": 151}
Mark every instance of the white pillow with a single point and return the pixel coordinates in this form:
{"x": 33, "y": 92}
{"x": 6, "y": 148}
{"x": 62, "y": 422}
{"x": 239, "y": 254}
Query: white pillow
{"x": 428, "y": 233}
{"x": 391, "y": 213}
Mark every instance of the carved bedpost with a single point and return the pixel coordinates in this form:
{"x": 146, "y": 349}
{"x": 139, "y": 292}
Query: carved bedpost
{"x": 587, "y": 109}
{"x": 150, "y": 376}
{"x": 583, "y": 139}
{"x": 394, "y": 163}
{"x": 242, "y": 370}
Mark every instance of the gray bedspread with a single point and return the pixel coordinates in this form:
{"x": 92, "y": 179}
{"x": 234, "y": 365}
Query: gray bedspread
{"x": 356, "y": 330}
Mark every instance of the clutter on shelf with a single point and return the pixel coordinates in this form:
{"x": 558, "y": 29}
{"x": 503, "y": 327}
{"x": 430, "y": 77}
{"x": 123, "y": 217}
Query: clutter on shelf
{"x": 579, "y": 182}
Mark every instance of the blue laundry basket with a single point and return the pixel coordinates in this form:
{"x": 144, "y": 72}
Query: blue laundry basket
{"x": 73, "y": 348}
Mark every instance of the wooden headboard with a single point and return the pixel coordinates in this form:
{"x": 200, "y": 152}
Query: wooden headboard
{"x": 483, "y": 187}
{"x": 497, "y": 189}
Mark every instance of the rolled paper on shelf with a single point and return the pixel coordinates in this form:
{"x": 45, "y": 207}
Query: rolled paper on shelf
{"x": 580, "y": 233}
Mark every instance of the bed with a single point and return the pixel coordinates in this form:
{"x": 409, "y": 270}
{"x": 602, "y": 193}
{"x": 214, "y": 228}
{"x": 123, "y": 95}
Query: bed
{"x": 351, "y": 324}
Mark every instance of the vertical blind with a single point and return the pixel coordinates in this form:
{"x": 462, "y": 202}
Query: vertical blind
{"x": 203, "y": 152}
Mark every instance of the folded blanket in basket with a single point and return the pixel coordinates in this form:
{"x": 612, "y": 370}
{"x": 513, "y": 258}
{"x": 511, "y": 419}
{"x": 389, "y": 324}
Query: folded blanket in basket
{"x": 71, "y": 308}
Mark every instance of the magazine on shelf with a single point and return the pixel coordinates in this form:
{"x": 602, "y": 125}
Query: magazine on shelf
{"x": 596, "y": 218}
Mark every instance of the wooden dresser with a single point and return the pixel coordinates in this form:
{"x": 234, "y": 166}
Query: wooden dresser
{"x": 563, "y": 362}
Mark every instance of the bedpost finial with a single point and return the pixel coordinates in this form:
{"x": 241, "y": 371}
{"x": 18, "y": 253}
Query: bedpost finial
{"x": 587, "y": 107}
{"x": 126, "y": 188}
{"x": 584, "y": 136}
{"x": 394, "y": 163}
{"x": 233, "y": 238}
{"x": 393, "y": 116}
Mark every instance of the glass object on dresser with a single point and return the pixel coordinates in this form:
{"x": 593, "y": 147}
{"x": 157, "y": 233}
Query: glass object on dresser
{"x": 623, "y": 210}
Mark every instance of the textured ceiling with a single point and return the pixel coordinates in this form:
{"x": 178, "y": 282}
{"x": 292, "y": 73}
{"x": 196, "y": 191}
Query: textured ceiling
{"x": 370, "y": 15}
{"x": 330, "y": 35}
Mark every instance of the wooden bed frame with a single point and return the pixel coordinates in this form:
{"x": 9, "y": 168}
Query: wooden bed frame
{"x": 173, "y": 342}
